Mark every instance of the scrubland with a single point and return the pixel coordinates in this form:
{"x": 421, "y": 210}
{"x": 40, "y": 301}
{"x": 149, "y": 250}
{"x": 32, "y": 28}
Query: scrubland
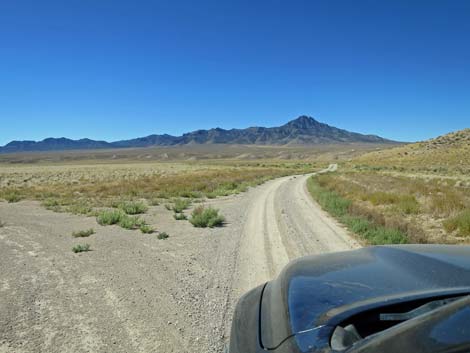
{"x": 418, "y": 193}
{"x": 82, "y": 182}
{"x": 82, "y": 189}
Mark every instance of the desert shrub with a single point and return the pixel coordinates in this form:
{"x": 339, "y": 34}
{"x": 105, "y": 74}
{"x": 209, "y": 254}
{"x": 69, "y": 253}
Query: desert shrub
{"x": 129, "y": 222}
{"x": 461, "y": 222}
{"x": 206, "y": 217}
{"x": 133, "y": 207}
{"x": 154, "y": 202}
{"x": 163, "y": 235}
{"x": 108, "y": 217}
{"x": 180, "y": 216}
{"x": 50, "y": 202}
{"x": 13, "y": 196}
{"x": 446, "y": 203}
{"x": 83, "y": 233}
{"x": 180, "y": 205}
{"x": 383, "y": 198}
{"x": 81, "y": 248}
{"x": 80, "y": 208}
{"x": 408, "y": 205}
{"x": 146, "y": 229}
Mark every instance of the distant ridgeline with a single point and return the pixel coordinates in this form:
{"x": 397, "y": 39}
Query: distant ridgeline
{"x": 302, "y": 131}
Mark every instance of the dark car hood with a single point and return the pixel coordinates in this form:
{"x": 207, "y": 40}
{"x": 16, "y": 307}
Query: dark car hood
{"x": 313, "y": 294}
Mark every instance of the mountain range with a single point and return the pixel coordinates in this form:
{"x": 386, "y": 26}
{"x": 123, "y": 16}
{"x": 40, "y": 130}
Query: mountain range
{"x": 304, "y": 130}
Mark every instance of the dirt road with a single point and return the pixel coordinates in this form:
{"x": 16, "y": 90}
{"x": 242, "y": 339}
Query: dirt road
{"x": 135, "y": 293}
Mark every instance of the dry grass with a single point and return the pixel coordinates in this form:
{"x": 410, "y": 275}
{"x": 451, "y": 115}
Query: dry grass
{"x": 459, "y": 223}
{"x": 448, "y": 154}
{"x": 430, "y": 210}
{"x": 80, "y": 189}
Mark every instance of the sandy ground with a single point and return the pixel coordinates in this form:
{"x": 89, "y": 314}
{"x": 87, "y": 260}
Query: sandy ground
{"x": 136, "y": 293}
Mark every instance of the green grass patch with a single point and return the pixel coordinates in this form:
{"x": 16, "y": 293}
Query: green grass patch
{"x": 83, "y": 233}
{"x": 461, "y": 223}
{"x": 81, "y": 248}
{"x": 206, "y": 217}
{"x": 331, "y": 201}
{"x": 339, "y": 207}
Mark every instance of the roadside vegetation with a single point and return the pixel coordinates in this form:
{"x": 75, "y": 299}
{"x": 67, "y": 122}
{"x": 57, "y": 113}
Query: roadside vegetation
{"x": 433, "y": 210}
{"x": 203, "y": 217}
{"x": 366, "y": 227}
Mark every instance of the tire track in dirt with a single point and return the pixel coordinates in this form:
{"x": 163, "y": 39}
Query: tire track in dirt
{"x": 283, "y": 222}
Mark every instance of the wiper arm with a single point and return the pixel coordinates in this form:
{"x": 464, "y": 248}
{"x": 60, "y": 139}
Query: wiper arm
{"x": 423, "y": 309}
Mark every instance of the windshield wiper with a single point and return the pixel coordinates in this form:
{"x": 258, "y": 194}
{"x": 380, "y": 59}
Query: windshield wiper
{"x": 423, "y": 309}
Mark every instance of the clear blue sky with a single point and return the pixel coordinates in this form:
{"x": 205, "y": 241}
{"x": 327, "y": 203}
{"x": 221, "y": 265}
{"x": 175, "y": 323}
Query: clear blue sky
{"x": 113, "y": 69}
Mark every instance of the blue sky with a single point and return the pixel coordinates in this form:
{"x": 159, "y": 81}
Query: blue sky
{"x": 113, "y": 69}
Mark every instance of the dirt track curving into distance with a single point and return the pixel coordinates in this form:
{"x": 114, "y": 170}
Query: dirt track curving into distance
{"x": 135, "y": 293}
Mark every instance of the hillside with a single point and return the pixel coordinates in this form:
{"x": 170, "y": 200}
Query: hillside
{"x": 450, "y": 152}
{"x": 302, "y": 131}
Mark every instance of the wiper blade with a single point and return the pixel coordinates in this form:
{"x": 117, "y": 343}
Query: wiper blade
{"x": 423, "y": 309}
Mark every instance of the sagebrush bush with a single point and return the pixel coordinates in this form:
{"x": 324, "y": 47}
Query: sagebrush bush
{"x": 163, "y": 235}
{"x": 80, "y": 209}
{"x": 108, "y": 217}
{"x": 181, "y": 205}
{"x": 83, "y": 233}
{"x": 130, "y": 222}
{"x": 206, "y": 217}
{"x": 146, "y": 229}
{"x": 180, "y": 216}
{"x": 133, "y": 207}
{"x": 81, "y": 248}
{"x": 50, "y": 202}
{"x": 13, "y": 196}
